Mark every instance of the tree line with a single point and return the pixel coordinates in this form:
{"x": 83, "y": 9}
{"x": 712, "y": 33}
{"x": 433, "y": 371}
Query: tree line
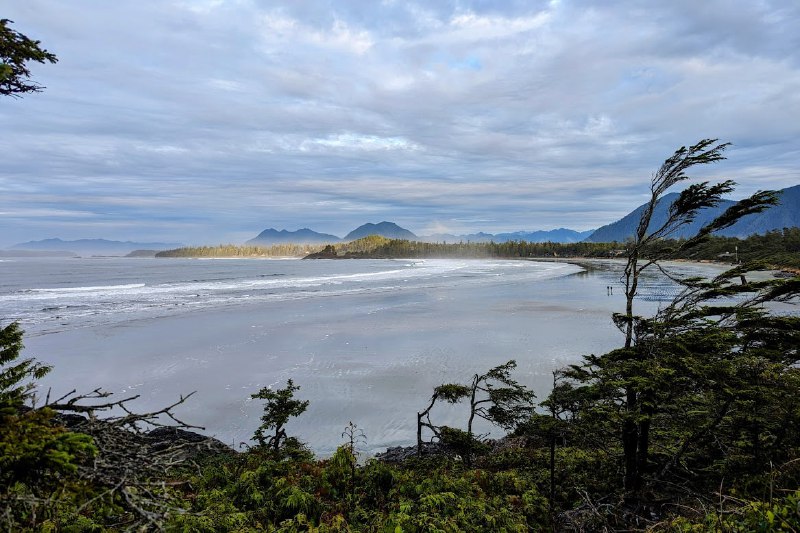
{"x": 236, "y": 250}
{"x": 775, "y": 248}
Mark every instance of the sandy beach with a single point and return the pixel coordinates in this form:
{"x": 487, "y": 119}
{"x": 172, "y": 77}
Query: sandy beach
{"x": 371, "y": 357}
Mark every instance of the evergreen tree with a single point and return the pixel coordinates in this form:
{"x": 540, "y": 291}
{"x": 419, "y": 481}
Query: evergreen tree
{"x": 16, "y": 51}
{"x": 16, "y": 377}
{"x": 688, "y": 394}
{"x": 493, "y": 396}
{"x": 38, "y": 456}
{"x": 279, "y": 408}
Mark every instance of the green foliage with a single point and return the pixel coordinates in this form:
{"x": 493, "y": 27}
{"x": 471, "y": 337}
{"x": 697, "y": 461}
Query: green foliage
{"x": 15, "y": 376}
{"x": 634, "y": 376}
{"x": 34, "y": 447}
{"x": 716, "y": 388}
{"x": 254, "y": 492}
{"x": 462, "y": 442}
{"x": 279, "y": 408}
{"x": 38, "y": 456}
{"x": 506, "y": 402}
{"x": 452, "y": 392}
{"x": 493, "y": 396}
{"x": 38, "y": 469}
{"x": 700, "y": 396}
{"x": 376, "y": 247}
{"x": 16, "y": 51}
{"x": 779, "y": 249}
{"x": 783, "y": 514}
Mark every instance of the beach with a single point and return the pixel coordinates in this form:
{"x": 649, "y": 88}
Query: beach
{"x": 369, "y": 350}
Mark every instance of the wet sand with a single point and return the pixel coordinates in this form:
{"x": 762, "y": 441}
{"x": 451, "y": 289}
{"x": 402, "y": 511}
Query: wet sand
{"x": 369, "y": 358}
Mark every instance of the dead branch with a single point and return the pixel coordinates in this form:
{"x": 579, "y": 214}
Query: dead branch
{"x": 134, "y": 452}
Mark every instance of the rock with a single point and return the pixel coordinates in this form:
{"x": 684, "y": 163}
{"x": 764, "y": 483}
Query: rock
{"x": 163, "y": 437}
{"x": 329, "y": 252}
{"x": 400, "y": 454}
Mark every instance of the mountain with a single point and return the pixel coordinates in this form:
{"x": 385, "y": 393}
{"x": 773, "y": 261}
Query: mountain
{"x": 449, "y": 238}
{"x": 92, "y": 246}
{"x": 390, "y": 230}
{"x": 784, "y": 215}
{"x": 302, "y": 236}
{"x": 555, "y": 235}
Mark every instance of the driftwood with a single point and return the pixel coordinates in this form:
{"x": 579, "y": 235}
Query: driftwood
{"x": 135, "y": 452}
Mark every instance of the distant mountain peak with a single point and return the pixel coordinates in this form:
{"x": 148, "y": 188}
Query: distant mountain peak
{"x": 272, "y": 236}
{"x": 556, "y": 235}
{"x": 390, "y": 230}
{"x": 92, "y": 246}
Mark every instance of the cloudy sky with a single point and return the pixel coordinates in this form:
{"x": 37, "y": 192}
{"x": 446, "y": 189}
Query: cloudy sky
{"x": 206, "y": 121}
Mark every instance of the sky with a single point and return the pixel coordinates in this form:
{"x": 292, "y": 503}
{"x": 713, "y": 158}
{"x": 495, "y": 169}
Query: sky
{"x": 208, "y": 121}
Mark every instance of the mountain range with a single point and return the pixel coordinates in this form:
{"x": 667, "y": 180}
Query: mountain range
{"x": 562, "y": 235}
{"x": 92, "y": 246}
{"x": 784, "y": 215}
{"x": 391, "y": 230}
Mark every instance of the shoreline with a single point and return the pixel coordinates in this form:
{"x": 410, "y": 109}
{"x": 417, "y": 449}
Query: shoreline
{"x": 590, "y": 261}
{"x": 542, "y": 259}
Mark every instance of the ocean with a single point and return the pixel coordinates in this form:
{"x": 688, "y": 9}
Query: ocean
{"x": 366, "y": 340}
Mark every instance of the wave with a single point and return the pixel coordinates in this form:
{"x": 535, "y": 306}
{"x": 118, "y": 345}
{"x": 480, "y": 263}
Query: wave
{"x": 114, "y": 302}
{"x": 95, "y": 288}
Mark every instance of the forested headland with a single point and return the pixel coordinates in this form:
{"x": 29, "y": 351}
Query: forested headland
{"x": 236, "y": 250}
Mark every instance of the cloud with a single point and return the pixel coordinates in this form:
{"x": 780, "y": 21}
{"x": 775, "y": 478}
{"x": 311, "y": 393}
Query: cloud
{"x": 234, "y": 115}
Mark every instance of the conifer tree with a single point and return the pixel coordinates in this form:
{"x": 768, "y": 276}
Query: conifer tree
{"x": 279, "y": 408}
{"x": 635, "y": 381}
{"x": 16, "y": 51}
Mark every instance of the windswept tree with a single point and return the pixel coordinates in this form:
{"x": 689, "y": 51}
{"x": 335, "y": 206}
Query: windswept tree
{"x": 683, "y": 211}
{"x": 627, "y": 381}
{"x": 279, "y": 408}
{"x": 498, "y": 399}
{"x": 451, "y": 393}
{"x": 16, "y": 52}
{"x": 493, "y": 396}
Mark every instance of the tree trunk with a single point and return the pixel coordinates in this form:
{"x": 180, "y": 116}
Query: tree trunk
{"x": 419, "y": 433}
{"x": 630, "y": 438}
{"x": 420, "y": 416}
{"x": 643, "y": 449}
{"x": 553, "y": 455}
{"x": 472, "y": 408}
{"x": 630, "y": 433}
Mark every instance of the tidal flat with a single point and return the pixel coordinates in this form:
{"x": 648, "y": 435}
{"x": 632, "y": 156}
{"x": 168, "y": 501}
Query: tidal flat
{"x": 366, "y": 340}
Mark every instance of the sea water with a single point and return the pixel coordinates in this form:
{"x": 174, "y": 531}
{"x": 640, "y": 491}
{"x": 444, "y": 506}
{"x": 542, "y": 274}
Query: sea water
{"x": 366, "y": 340}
